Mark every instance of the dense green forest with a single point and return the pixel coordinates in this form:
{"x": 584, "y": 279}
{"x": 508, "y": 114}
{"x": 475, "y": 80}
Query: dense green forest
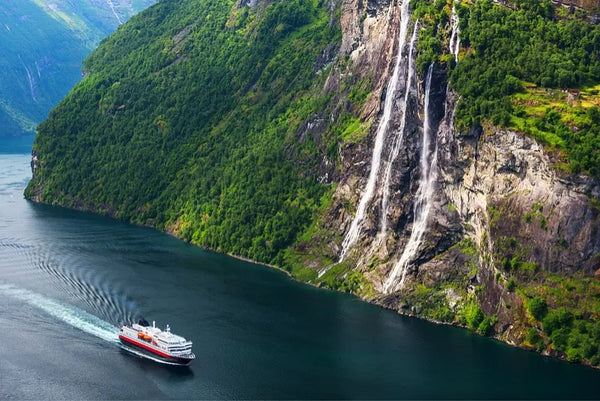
{"x": 184, "y": 120}
{"x": 508, "y": 49}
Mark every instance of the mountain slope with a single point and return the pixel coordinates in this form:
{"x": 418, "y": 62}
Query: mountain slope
{"x": 199, "y": 101}
{"x": 43, "y": 44}
{"x": 417, "y": 157}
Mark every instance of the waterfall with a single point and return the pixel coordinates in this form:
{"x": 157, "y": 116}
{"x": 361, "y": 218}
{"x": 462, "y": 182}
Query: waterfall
{"x": 112, "y": 7}
{"x": 31, "y": 80}
{"x": 356, "y": 226}
{"x": 454, "y": 37}
{"x": 422, "y": 204}
{"x": 400, "y": 137}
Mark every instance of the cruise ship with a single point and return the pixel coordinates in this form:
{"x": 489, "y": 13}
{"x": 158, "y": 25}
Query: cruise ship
{"x": 162, "y": 346}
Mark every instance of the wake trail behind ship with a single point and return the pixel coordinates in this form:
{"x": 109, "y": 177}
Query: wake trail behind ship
{"x": 71, "y": 315}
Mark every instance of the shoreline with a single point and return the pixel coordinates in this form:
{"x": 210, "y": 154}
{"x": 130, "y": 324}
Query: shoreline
{"x": 373, "y": 301}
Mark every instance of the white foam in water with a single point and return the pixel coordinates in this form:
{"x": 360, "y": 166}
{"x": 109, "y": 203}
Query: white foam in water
{"x": 75, "y": 317}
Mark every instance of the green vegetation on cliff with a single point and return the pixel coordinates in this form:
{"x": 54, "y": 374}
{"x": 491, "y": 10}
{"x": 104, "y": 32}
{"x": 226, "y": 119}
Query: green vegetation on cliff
{"x": 185, "y": 121}
{"x": 508, "y": 47}
{"x": 563, "y": 310}
{"x": 518, "y": 66}
{"x": 565, "y": 316}
{"x": 507, "y": 50}
{"x": 567, "y": 122}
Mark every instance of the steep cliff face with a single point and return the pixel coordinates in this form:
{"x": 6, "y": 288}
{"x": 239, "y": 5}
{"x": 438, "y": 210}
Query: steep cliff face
{"x": 522, "y": 217}
{"x": 550, "y": 217}
{"x": 468, "y": 214}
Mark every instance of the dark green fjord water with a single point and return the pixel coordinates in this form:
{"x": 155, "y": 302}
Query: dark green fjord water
{"x": 68, "y": 279}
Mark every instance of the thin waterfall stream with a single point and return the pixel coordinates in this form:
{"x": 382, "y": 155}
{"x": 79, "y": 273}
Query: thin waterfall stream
{"x": 398, "y": 140}
{"x": 422, "y": 204}
{"x": 455, "y": 36}
{"x": 356, "y": 225}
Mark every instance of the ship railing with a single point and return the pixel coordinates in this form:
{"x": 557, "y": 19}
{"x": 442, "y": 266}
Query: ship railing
{"x": 182, "y": 353}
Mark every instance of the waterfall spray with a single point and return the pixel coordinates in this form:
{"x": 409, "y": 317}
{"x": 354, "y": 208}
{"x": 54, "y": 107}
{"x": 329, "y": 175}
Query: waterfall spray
{"x": 422, "y": 204}
{"x": 398, "y": 140}
{"x": 356, "y": 226}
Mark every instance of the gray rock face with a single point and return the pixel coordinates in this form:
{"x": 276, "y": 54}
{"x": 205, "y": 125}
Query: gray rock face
{"x": 549, "y": 220}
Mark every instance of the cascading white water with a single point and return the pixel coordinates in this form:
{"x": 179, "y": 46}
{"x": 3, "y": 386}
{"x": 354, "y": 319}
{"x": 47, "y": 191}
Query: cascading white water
{"x": 422, "y": 204}
{"x": 112, "y": 7}
{"x": 399, "y": 139}
{"x": 455, "y": 36}
{"x": 356, "y": 226}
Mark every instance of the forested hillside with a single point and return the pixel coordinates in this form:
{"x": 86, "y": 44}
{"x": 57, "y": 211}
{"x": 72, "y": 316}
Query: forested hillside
{"x": 187, "y": 121}
{"x": 516, "y": 50}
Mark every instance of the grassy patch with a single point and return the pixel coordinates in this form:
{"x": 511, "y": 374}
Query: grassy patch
{"x": 355, "y": 130}
{"x": 569, "y": 127}
{"x": 430, "y": 302}
{"x": 342, "y": 277}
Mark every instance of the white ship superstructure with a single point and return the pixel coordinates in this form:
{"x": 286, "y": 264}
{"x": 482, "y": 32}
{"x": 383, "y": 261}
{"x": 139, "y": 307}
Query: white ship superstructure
{"x": 163, "y": 345}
